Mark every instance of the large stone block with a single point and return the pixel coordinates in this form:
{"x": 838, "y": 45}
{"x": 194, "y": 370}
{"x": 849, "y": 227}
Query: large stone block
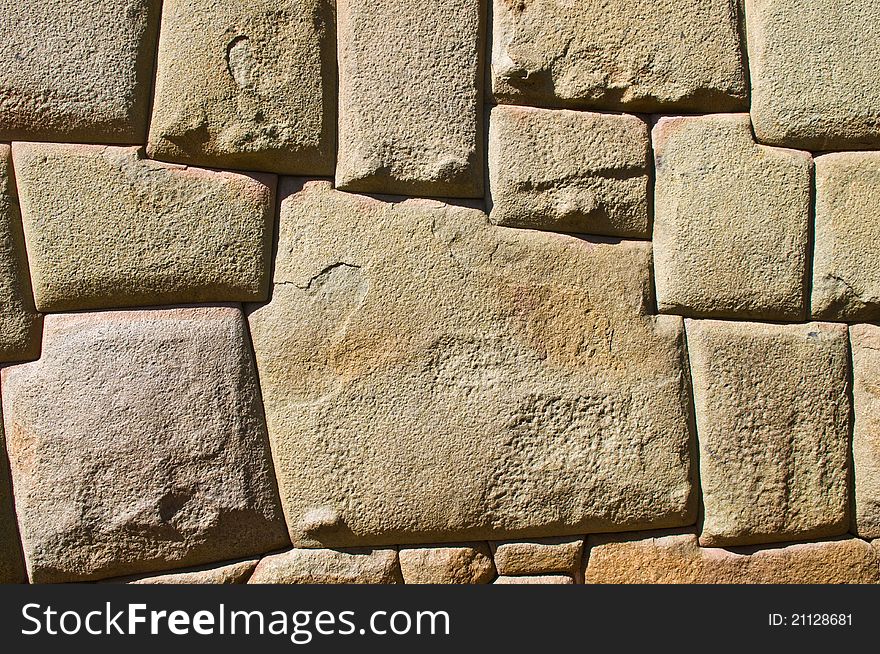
{"x": 772, "y": 413}
{"x": 317, "y": 566}
{"x": 815, "y": 80}
{"x": 137, "y": 443}
{"x": 569, "y": 171}
{"x": 258, "y": 88}
{"x": 663, "y": 558}
{"x": 846, "y": 256}
{"x": 411, "y": 97}
{"x": 619, "y": 54}
{"x": 539, "y": 556}
{"x": 865, "y": 343}
{"x": 731, "y": 225}
{"x": 76, "y": 71}
{"x": 429, "y": 377}
{"x": 107, "y": 228}
{"x": 466, "y": 563}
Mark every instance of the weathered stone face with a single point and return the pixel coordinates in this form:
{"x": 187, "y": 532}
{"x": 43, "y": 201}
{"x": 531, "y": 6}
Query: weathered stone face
{"x": 257, "y": 91}
{"x": 76, "y": 71}
{"x": 569, "y": 171}
{"x": 137, "y": 443}
{"x": 772, "y": 415}
{"x": 411, "y": 97}
{"x": 428, "y": 377}
{"x": 539, "y": 556}
{"x": 307, "y": 566}
{"x": 467, "y": 563}
{"x": 814, "y": 73}
{"x": 865, "y": 343}
{"x": 731, "y": 224}
{"x": 846, "y": 258}
{"x": 108, "y": 228}
{"x": 618, "y": 55}
{"x": 232, "y": 573}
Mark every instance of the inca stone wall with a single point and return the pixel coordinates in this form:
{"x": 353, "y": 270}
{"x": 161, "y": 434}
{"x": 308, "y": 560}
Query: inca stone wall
{"x": 452, "y": 291}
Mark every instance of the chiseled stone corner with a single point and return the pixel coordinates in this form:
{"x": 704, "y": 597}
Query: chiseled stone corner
{"x": 137, "y": 443}
{"x": 12, "y": 569}
{"x": 430, "y": 377}
{"x": 539, "y": 556}
{"x": 570, "y": 171}
{"x": 619, "y": 54}
{"x": 107, "y": 228}
{"x": 677, "y": 558}
{"x": 865, "y": 344}
{"x": 772, "y": 412}
{"x": 815, "y": 79}
{"x": 76, "y": 71}
{"x": 411, "y": 97}
{"x": 846, "y": 256}
{"x": 320, "y": 566}
{"x": 258, "y": 88}
{"x": 731, "y": 224}
{"x": 230, "y": 573}
{"x": 536, "y": 579}
{"x": 466, "y": 563}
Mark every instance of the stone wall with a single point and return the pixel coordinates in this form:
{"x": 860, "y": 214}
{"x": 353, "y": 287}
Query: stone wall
{"x": 632, "y": 341}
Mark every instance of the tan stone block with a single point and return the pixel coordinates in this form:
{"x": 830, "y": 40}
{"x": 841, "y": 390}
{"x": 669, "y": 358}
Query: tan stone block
{"x": 772, "y": 413}
{"x": 663, "y": 558}
{"x": 258, "y": 88}
{"x": 539, "y": 556}
{"x": 318, "y": 566}
{"x": 231, "y": 573}
{"x": 536, "y": 579}
{"x": 137, "y": 444}
{"x": 468, "y": 563}
{"x": 76, "y": 71}
{"x": 865, "y": 344}
{"x": 429, "y": 377}
{"x": 815, "y": 82}
{"x": 411, "y": 97}
{"x": 846, "y": 255}
{"x": 569, "y": 171}
{"x": 731, "y": 225}
{"x": 619, "y": 54}
{"x": 107, "y": 228}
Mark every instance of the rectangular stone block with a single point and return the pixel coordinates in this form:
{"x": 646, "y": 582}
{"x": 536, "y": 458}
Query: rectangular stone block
{"x": 772, "y": 413}
{"x": 318, "y": 566}
{"x": 464, "y": 563}
{"x": 106, "y": 227}
{"x": 731, "y": 224}
{"x": 569, "y": 171}
{"x": 411, "y": 97}
{"x": 429, "y": 377}
{"x": 539, "y": 556}
{"x": 258, "y": 88}
{"x": 76, "y": 71}
{"x": 865, "y": 344}
{"x": 649, "y": 57}
{"x": 815, "y": 80}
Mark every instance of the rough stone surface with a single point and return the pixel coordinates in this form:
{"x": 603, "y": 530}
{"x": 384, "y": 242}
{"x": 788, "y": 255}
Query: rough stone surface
{"x": 19, "y": 322}
{"x": 536, "y": 579}
{"x": 731, "y": 225}
{"x": 865, "y": 343}
{"x": 76, "y": 71}
{"x": 258, "y": 91}
{"x": 352, "y": 566}
{"x": 772, "y": 413}
{"x": 468, "y": 563}
{"x": 539, "y": 556}
{"x": 569, "y": 171}
{"x": 814, "y": 73}
{"x": 429, "y": 377}
{"x": 846, "y": 258}
{"x": 411, "y": 97}
{"x": 664, "y": 558}
{"x": 232, "y": 573}
{"x": 137, "y": 444}
{"x": 107, "y": 228}
{"x": 619, "y": 54}
{"x": 11, "y": 563}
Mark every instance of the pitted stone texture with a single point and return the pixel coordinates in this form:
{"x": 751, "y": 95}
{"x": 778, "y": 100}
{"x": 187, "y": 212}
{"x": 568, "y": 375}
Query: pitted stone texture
{"x": 19, "y": 322}
{"x": 468, "y": 563}
{"x": 663, "y": 558}
{"x": 539, "y": 556}
{"x": 108, "y": 228}
{"x": 232, "y": 573}
{"x": 865, "y": 343}
{"x": 429, "y": 377}
{"x": 137, "y": 444}
{"x": 731, "y": 225}
{"x": 772, "y": 413}
{"x": 76, "y": 71}
{"x": 258, "y": 88}
{"x": 307, "y": 566}
{"x": 11, "y": 564}
{"x": 537, "y": 579}
{"x": 619, "y": 54}
{"x": 569, "y": 171}
{"x": 846, "y": 258}
{"x": 814, "y": 72}
{"x": 411, "y": 97}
